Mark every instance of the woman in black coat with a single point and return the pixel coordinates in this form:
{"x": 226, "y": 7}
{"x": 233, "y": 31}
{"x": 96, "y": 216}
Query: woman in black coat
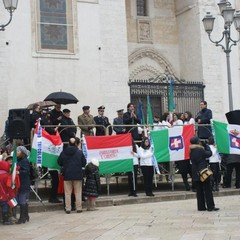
{"x": 198, "y": 155}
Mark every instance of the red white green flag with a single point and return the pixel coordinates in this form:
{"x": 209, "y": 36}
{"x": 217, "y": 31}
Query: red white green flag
{"x": 172, "y": 144}
{"x": 45, "y": 148}
{"x": 113, "y": 152}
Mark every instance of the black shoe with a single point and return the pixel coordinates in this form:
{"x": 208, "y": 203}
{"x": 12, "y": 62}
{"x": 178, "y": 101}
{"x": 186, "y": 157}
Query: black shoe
{"x": 213, "y": 209}
{"x": 204, "y": 209}
{"x": 79, "y": 211}
{"x": 131, "y": 194}
{"x": 134, "y": 195}
{"x": 56, "y": 200}
{"x": 68, "y": 212}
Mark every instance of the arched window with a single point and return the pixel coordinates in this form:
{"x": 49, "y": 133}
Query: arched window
{"x": 141, "y": 7}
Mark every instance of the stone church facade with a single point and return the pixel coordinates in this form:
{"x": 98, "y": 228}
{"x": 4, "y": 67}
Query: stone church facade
{"x": 109, "y": 52}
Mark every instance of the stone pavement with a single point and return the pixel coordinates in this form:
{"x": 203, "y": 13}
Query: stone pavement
{"x": 168, "y": 220}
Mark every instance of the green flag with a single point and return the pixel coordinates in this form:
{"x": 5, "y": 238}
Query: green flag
{"x": 149, "y": 112}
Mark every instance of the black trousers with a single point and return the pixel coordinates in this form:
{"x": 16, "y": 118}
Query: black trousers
{"x": 54, "y": 182}
{"x": 204, "y": 195}
{"x": 215, "y": 168}
{"x": 130, "y": 180}
{"x": 147, "y": 172}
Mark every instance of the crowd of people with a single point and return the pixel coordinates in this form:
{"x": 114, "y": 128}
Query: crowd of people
{"x": 203, "y": 152}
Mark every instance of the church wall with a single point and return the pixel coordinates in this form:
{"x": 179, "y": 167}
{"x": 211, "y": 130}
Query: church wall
{"x": 96, "y": 75}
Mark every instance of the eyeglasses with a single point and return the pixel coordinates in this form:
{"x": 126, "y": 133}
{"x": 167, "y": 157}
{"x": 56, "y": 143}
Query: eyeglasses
{"x": 101, "y": 110}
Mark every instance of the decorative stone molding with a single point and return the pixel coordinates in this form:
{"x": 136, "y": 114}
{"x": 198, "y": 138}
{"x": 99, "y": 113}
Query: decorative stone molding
{"x": 144, "y": 27}
{"x": 144, "y": 72}
{"x": 154, "y": 55}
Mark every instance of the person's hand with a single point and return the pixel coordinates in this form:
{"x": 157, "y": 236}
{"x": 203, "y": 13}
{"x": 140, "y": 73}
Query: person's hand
{"x": 199, "y": 120}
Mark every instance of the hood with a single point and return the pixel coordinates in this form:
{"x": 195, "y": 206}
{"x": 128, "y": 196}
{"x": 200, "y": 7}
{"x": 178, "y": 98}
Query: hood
{"x": 4, "y": 165}
{"x": 194, "y": 146}
{"x": 71, "y": 150}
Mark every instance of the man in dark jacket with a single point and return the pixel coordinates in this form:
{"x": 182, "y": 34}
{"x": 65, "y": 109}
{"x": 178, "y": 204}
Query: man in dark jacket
{"x": 198, "y": 155}
{"x": 131, "y": 118}
{"x": 72, "y": 161}
{"x": 204, "y": 117}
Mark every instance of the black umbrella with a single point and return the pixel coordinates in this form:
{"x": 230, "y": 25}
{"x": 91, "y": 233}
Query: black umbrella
{"x": 61, "y": 98}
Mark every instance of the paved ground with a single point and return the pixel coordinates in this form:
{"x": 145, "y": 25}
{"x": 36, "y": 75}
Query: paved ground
{"x": 175, "y": 220}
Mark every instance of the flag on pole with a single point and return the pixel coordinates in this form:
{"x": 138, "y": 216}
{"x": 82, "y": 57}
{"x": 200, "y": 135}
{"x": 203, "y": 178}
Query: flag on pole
{"x": 149, "y": 112}
{"x": 227, "y": 137}
{"x": 171, "y": 105}
{"x": 113, "y": 152}
{"x": 12, "y": 203}
{"x": 172, "y": 144}
{"x": 45, "y": 148}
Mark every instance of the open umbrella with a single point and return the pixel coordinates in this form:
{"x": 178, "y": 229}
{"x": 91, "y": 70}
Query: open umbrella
{"x": 61, "y": 98}
{"x": 42, "y": 104}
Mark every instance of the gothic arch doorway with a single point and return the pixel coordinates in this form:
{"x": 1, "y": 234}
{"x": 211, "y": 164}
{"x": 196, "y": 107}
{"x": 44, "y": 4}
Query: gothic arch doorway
{"x": 150, "y": 75}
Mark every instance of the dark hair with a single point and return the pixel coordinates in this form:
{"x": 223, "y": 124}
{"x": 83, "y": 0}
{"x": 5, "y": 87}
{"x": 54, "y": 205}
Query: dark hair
{"x": 143, "y": 143}
{"x": 204, "y": 102}
{"x": 195, "y": 140}
{"x": 129, "y": 105}
{"x": 164, "y": 116}
{"x": 189, "y": 115}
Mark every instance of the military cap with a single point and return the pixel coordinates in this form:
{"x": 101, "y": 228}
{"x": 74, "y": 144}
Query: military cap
{"x": 85, "y": 107}
{"x": 101, "y": 108}
{"x": 66, "y": 110}
{"x": 120, "y": 110}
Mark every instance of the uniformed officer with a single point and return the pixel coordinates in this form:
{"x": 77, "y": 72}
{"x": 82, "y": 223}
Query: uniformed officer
{"x": 119, "y": 121}
{"x": 86, "y": 119}
{"x": 102, "y": 120}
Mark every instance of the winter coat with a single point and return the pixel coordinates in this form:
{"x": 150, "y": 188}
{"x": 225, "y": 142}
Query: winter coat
{"x": 6, "y": 193}
{"x": 72, "y": 161}
{"x": 24, "y": 175}
{"x": 198, "y": 157}
{"x": 92, "y": 186}
{"x": 230, "y": 158}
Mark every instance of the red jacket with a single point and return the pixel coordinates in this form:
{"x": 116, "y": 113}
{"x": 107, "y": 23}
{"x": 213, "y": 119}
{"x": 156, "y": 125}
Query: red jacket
{"x": 6, "y": 193}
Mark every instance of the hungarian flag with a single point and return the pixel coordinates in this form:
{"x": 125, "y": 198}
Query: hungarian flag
{"x": 45, "y": 148}
{"x": 227, "y": 137}
{"x": 172, "y": 144}
{"x": 113, "y": 152}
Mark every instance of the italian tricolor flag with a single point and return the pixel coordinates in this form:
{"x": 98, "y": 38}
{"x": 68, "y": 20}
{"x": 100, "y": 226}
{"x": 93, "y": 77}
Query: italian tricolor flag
{"x": 113, "y": 152}
{"x": 227, "y": 137}
{"x": 45, "y": 148}
{"x": 172, "y": 144}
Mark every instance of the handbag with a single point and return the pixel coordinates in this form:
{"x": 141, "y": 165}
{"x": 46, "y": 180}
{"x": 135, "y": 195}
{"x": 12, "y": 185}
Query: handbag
{"x": 204, "y": 174}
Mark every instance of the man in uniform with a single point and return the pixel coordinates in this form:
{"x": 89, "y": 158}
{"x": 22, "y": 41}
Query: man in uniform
{"x": 102, "y": 120}
{"x": 86, "y": 119}
{"x": 67, "y": 132}
{"x": 119, "y": 121}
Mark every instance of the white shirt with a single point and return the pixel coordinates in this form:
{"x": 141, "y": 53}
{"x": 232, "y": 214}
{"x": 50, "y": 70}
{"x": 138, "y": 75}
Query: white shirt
{"x": 145, "y": 156}
{"x": 178, "y": 122}
{"x": 191, "y": 121}
{"x": 215, "y": 158}
{"x": 166, "y": 124}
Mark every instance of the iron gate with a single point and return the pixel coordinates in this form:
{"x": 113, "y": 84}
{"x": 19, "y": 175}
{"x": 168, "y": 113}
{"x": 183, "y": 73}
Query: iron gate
{"x": 187, "y": 95}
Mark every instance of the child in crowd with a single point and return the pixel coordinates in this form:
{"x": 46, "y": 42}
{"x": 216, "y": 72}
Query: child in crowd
{"x": 6, "y": 192}
{"x": 92, "y": 185}
{"x": 214, "y": 162}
